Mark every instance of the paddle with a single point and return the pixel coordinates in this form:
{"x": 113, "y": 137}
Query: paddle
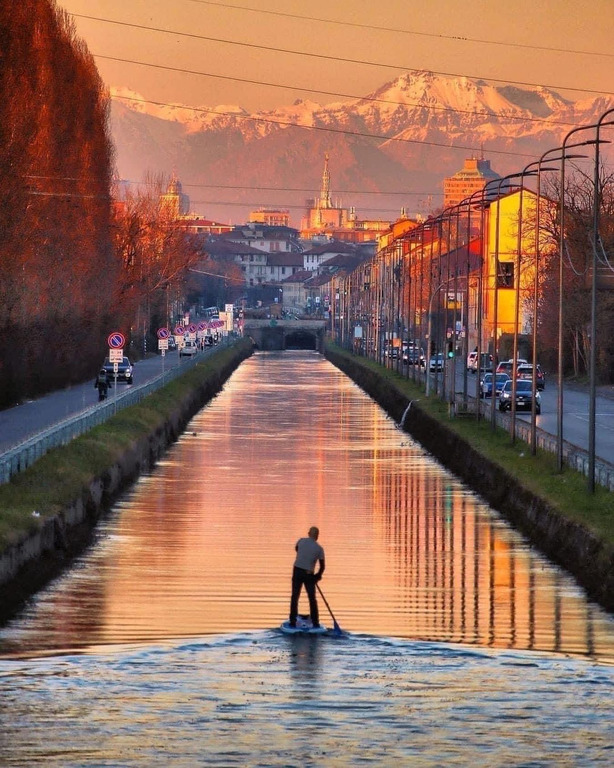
{"x": 337, "y": 628}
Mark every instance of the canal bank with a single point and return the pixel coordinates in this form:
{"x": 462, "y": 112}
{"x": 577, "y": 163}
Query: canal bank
{"x": 575, "y": 542}
{"x": 49, "y": 512}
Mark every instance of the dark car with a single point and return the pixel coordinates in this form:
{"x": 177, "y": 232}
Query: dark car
{"x": 524, "y": 396}
{"x": 125, "y": 370}
{"x": 413, "y": 355}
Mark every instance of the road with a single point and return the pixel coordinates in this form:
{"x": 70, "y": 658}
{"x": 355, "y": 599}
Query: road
{"x": 23, "y": 421}
{"x": 575, "y": 413}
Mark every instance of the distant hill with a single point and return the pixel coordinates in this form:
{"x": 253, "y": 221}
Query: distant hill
{"x": 414, "y": 119}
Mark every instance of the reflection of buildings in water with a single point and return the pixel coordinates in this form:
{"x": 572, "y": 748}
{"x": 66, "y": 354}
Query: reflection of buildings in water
{"x": 465, "y": 575}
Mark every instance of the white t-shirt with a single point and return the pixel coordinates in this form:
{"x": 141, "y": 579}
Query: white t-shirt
{"x": 308, "y": 553}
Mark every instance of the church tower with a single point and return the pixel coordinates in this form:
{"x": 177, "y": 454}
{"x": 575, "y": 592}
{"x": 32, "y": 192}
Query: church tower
{"x": 325, "y": 201}
{"x": 175, "y": 202}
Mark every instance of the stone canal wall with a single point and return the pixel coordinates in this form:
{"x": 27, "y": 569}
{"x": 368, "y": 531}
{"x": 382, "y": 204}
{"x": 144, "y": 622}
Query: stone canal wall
{"x": 40, "y": 556}
{"x": 565, "y": 542}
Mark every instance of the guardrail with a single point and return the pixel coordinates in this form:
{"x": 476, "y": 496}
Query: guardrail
{"x": 22, "y": 456}
{"x": 573, "y": 456}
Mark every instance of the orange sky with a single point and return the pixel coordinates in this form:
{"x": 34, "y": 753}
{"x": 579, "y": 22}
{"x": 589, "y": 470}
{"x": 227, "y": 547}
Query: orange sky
{"x": 556, "y": 43}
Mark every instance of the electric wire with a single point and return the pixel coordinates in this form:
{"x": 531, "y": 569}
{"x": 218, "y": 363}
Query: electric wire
{"x": 318, "y": 91}
{"x": 396, "y": 30}
{"x": 327, "y": 57}
{"x": 324, "y": 129}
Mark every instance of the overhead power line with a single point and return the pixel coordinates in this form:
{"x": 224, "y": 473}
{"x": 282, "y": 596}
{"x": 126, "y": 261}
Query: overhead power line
{"x": 325, "y": 129}
{"x": 318, "y": 91}
{"x": 326, "y": 57}
{"x": 413, "y": 32}
{"x": 307, "y": 190}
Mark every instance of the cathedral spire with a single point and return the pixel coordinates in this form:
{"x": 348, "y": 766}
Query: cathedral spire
{"x": 325, "y": 201}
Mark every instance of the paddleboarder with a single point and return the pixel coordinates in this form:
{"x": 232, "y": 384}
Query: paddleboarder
{"x": 308, "y": 553}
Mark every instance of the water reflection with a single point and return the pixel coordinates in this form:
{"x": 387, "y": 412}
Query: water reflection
{"x": 205, "y": 544}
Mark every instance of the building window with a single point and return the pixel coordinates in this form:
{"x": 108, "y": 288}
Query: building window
{"x": 505, "y": 274}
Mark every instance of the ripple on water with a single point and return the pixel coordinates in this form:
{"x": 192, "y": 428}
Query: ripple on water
{"x": 266, "y": 699}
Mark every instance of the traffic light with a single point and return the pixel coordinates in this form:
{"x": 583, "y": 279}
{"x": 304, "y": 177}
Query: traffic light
{"x": 451, "y": 348}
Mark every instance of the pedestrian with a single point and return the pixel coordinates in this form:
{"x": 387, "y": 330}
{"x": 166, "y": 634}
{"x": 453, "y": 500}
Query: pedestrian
{"x": 308, "y": 553}
{"x": 102, "y": 384}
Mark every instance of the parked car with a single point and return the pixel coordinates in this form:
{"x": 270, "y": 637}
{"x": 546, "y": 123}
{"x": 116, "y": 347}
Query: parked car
{"x": 525, "y": 371}
{"x": 524, "y": 396}
{"x": 188, "y": 349}
{"x": 436, "y": 362}
{"x": 485, "y": 363}
{"x": 486, "y": 383}
{"x": 172, "y": 344}
{"x": 125, "y": 370}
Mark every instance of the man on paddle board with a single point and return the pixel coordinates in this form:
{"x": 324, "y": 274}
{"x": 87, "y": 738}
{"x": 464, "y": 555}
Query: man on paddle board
{"x": 308, "y": 553}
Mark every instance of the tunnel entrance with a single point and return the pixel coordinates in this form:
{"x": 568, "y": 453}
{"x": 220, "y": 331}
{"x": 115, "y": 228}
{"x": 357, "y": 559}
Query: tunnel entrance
{"x": 301, "y": 340}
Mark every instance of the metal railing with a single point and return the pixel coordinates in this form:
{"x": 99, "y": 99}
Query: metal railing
{"x": 21, "y": 456}
{"x": 573, "y": 456}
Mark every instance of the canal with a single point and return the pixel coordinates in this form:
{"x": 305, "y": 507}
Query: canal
{"x": 160, "y": 646}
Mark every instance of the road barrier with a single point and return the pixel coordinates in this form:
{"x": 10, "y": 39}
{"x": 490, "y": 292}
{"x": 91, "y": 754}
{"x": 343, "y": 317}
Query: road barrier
{"x": 22, "y": 456}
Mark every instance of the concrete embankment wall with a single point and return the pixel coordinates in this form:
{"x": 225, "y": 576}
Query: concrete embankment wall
{"x": 42, "y": 555}
{"x": 587, "y": 558}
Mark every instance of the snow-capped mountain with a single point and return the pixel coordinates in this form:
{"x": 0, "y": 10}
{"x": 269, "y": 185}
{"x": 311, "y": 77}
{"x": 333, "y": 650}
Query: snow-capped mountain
{"x": 405, "y": 137}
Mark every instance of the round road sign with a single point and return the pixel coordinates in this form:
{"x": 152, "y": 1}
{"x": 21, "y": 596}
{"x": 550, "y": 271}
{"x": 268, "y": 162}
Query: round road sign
{"x": 179, "y": 329}
{"x": 192, "y": 328}
{"x": 163, "y": 333}
{"x": 116, "y": 340}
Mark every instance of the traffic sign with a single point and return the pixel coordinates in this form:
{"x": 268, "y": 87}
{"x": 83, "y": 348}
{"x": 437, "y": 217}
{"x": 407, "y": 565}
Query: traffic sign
{"x": 163, "y": 333}
{"x": 116, "y": 356}
{"x": 162, "y": 343}
{"x": 116, "y": 340}
{"x": 192, "y": 328}
{"x": 179, "y": 329}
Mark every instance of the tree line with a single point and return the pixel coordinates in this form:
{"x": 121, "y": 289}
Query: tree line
{"x": 75, "y": 264}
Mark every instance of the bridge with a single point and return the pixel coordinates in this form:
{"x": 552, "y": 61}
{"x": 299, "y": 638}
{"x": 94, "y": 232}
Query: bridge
{"x": 274, "y": 334}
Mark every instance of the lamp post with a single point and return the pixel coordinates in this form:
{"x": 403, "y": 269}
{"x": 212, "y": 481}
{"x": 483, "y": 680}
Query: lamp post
{"x": 507, "y": 178}
{"x": 560, "y": 358}
{"x": 593, "y": 352}
{"x": 528, "y": 170}
{"x": 429, "y": 324}
{"x": 533, "y": 433}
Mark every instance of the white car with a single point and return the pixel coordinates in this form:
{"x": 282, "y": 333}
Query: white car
{"x": 188, "y": 349}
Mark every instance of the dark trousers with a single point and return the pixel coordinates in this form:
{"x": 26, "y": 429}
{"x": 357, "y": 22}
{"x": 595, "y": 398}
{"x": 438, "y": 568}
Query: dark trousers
{"x": 301, "y": 577}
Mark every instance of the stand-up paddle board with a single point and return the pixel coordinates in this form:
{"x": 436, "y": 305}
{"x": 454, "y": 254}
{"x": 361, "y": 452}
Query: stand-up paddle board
{"x": 303, "y": 627}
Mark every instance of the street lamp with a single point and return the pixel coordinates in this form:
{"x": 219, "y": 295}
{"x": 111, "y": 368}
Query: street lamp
{"x": 593, "y": 354}
{"x": 428, "y": 339}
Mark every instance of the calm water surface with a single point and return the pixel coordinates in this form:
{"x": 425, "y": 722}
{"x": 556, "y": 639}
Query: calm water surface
{"x": 160, "y": 647}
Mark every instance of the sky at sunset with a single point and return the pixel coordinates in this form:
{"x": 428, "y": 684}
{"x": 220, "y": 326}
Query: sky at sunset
{"x": 290, "y": 49}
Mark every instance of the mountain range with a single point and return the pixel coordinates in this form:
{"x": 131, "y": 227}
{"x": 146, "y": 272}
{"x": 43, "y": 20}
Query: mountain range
{"x": 388, "y": 150}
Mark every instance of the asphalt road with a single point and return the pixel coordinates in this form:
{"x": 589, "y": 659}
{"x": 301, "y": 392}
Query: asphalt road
{"x": 22, "y": 421}
{"x": 32, "y": 416}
